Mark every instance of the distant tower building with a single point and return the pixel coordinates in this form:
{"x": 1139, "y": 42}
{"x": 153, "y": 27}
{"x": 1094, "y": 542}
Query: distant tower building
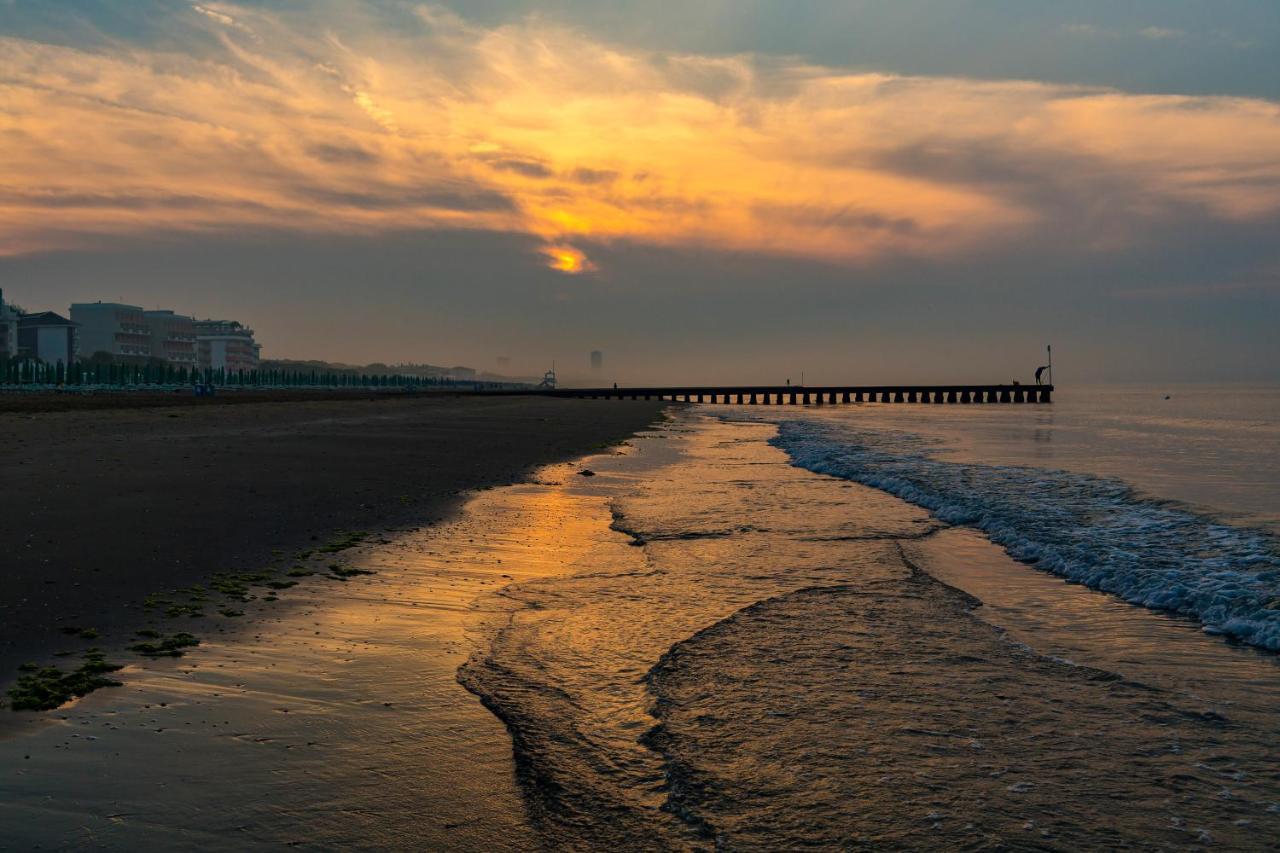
{"x": 597, "y": 359}
{"x": 504, "y": 361}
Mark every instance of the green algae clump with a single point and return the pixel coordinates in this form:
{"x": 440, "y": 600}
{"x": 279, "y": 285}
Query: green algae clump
{"x": 345, "y": 540}
{"x": 166, "y": 647}
{"x": 49, "y": 687}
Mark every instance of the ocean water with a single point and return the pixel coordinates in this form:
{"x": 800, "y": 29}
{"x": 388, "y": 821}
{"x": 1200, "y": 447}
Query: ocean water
{"x": 1213, "y": 448}
{"x": 1158, "y": 501}
{"x": 962, "y": 627}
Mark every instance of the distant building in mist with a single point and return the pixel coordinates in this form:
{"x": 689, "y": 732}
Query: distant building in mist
{"x": 130, "y": 333}
{"x": 118, "y": 330}
{"x": 504, "y": 362}
{"x": 597, "y": 360}
{"x": 459, "y": 372}
{"x": 47, "y": 336}
{"x": 226, "y": 345}
{"x": 8, "y": 329}
{"x": 173, "y": 338}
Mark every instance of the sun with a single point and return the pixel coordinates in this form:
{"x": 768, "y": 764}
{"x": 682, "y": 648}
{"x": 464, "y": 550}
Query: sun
{"x": 567, "y": 259}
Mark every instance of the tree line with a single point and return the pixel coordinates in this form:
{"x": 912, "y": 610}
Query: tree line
{"x": 90, "y": 373}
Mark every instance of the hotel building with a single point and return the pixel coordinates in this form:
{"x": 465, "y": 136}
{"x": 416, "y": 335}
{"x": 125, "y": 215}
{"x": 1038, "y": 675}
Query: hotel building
{"x": 173, "y": 338}
{"x": 118, "y": 330}
{"x": 226, "y": 344}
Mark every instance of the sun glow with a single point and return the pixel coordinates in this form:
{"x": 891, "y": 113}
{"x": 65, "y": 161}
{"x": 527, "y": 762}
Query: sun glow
{"x": 567, "y": 259}
{"x": 279, "y": 122}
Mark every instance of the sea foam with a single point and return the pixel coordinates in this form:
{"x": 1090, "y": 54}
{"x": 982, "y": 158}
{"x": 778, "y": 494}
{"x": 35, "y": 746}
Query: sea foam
{"x": 1096, "y": 531}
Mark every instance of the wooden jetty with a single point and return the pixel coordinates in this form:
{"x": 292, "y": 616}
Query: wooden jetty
{"x": 794, "y": 395}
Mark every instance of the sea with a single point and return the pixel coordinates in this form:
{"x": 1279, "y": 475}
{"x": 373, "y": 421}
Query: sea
{"x": 1016, "y": 626}
{"x": 970, "y": 627}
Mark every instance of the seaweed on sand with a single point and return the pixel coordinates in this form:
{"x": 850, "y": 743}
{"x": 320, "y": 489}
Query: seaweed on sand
{"x": 346, "y": 539}
{"x": 343, "y": 573}
{"x": 170, "y": 646}
{"x": 49, "y": 687}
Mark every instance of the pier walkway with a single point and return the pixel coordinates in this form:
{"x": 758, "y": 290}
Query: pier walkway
{"x": 779, "y": 395}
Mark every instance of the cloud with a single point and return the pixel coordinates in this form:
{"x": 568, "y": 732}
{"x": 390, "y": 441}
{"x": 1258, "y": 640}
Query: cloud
{"x": 583, "y": 175}
{"x": 214, "y": 14}
{"x": 1161, "y": 33}
{"x": 342, "y": 153}
{"x": 528, "y": 168}
{"x": 337, "y": 121}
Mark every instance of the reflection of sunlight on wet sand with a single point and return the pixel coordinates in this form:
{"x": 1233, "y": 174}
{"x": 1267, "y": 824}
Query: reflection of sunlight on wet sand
{"x": 337, "y": 720}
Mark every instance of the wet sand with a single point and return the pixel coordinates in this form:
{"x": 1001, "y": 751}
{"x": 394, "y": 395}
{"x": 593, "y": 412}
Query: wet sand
{"x": 101, "y": 508}
{"x": 337, "y": 724}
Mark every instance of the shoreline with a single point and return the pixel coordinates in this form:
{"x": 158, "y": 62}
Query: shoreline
{"x": 294, "y": 729}
{"x": 767, "y": 622}
{"x": 111, "y": 507}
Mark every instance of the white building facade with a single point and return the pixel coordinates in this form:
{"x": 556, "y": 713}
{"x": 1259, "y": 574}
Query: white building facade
{"x": 226, "y": 345}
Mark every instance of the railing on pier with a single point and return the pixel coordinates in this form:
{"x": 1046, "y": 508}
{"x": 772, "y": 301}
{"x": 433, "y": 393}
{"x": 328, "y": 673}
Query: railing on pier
{"x": 781, "y": 395}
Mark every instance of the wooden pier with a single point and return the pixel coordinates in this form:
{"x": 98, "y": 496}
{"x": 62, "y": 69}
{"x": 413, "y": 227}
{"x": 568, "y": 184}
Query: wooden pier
{"x": 791, "y": 395}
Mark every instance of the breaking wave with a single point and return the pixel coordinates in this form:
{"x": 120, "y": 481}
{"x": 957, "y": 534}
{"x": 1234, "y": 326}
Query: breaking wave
{"x": 1093, "y": 530}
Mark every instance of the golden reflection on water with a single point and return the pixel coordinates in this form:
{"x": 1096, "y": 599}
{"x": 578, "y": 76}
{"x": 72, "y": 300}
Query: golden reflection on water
{"x": 333, "y": 718}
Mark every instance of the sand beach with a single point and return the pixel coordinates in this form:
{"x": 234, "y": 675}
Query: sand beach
{"x": 103, "y": 507}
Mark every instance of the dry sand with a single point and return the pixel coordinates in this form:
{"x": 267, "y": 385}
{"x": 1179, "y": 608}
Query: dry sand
{"x": 100, "y": 508}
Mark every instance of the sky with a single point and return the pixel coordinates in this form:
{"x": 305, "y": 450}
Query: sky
{"x": 715, "y": 191}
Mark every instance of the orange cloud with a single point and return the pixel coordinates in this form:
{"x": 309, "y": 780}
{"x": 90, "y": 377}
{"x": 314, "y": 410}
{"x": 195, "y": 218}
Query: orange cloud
{"x": 533, "y": 129}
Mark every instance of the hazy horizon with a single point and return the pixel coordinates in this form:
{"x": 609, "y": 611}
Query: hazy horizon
{"x": 726, "y": 192}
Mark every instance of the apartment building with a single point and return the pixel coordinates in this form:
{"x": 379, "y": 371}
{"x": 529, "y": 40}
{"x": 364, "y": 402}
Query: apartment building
{"x": 226, "y": 344}
{"x": 119, "y": 330}
{"x": 47, "y": 336}
{"x": 173, "y": 338}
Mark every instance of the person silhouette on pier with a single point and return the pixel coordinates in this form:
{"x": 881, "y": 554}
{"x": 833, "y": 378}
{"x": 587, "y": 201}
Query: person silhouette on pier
{"x": 1040, "y": 372}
